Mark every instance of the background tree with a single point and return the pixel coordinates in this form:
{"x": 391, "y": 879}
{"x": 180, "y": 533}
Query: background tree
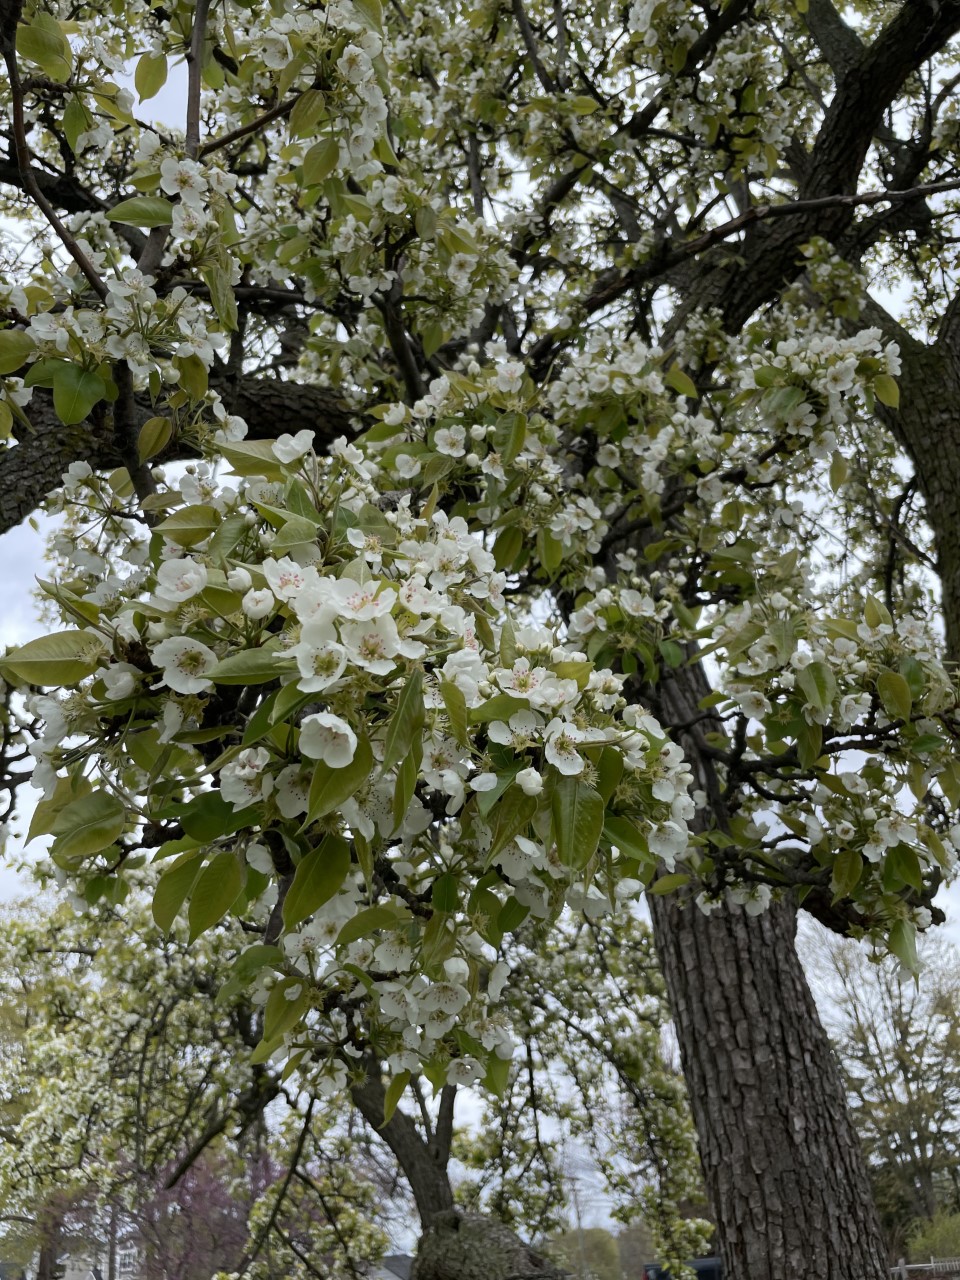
{"x": 525, "y": 352}
{"x": 130, "y": 1115}
{"x": 899, "y": 1050}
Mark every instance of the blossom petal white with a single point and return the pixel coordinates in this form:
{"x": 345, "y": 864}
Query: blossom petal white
{"x": 324, "y": 736}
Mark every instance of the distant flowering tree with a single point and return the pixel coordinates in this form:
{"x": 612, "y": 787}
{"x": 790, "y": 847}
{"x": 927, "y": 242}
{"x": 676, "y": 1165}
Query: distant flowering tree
{"x": 130, "y": 1118}
{"x": 545, "y": 536}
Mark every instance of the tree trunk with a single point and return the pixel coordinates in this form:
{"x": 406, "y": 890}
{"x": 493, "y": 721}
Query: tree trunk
{"x": 473, "y": 1246}
{"x": 783, "y": 1165}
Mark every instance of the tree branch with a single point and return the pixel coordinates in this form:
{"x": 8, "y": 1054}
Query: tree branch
{"x": 198, "y": 35}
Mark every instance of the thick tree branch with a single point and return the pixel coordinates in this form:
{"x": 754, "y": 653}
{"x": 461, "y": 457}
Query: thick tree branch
{"x": 34, "y": 467}
{"x": 425, "y": 1173}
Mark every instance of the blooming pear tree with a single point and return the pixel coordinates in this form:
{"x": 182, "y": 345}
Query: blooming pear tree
{"x": 538, "y": 543}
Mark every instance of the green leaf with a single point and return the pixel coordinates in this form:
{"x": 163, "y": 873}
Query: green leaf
{"x": 87, "y": 825}
{"x": 307, "y": 112}
{"x": 393, "y": 1094}
{"x": 44, "y": 43}
{"x": 487, "y": 799}
{"x": 253, "y": 458}
{"x": 432, "y": 339}
{"x": 818, "y": 684}
{"x": 150, "y": 75}
{"x": 609, "y": 772}
{"x": 577, "y": 820}
{"x": 437, "y": 945}
{"x": 875, "y": 613}
{"x": 250, "y": 666}
{"x": 839, "y": 470}
{"x": 622, "y": 833}
{"x": 508, "y": 644}
{"x": 287, "y": 1003}
{"x": 208, "y": 816}
{"x": 222, "y": 296}
{"x": 500, "y": 707}
{"x": 406, "y": 784}
{"x": 189, "y": 525}
{"x": 329, "y": 788}
{"x": 173, "y": 888}
{"x": 320, "y": 161}
{"x": 143, "y": 211}
{"x": 498, "y": 1074}
{"x": 584, "y": 106}
{"x": 507, "y": 547}
{"x": 76, "y": 120}
{"x": 194, "y": 377}
{"x": 668, "y": 884}
{"x": 886, "y": 390}
{"x": 549, "y": 550}
{"x": 75, "y": 392}
{"x": 371, "y": 12}
{"x": 903, "y": 944}
{"x": 218, "y": 887}
{"x": 246, "y": 966}
{"x": 317, "y": 878}
{"x": 846, "y": 873}
{"x": 65, "y": 658}
{"x": 366, "y": 922}
{"x": 513, "y": 814}
{"x": 681, "y": 382}
{"x": 155, "y": 435}
{"x": 809, "y": 738}
{"x": 895, "y": 695}
{"x": 445, "y": 893}
{"x": 512, "y": 915}
{"x": 456, "y": 707}
{"x": 406, "y": 722}
{"x": 15, "y": 347}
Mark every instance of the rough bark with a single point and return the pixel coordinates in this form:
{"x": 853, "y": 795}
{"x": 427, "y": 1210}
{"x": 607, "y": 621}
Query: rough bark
{"x": 454, "y": 1245}
{"x": 928, "y": 426}
{"x": 34, "y": 467}
{"x": 783, "y": 1166}
{"x": 472, "y": 1246}
{"x": 784, "y": 1169}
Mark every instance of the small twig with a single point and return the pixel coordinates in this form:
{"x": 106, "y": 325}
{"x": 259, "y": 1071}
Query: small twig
{"x": 530, "y": 43}
{"x": 244, "y": 130}
{"x": 249, "y": 1258}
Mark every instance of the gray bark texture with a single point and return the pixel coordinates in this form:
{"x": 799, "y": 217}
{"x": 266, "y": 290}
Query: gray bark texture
{"x": 472, "y": 1246}
{"x": 783, "y": 1166}
{"x": 36, "y": 465}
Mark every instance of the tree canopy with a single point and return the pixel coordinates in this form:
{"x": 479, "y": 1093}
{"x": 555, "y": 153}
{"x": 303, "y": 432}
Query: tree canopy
{"x": 560, "y": 519}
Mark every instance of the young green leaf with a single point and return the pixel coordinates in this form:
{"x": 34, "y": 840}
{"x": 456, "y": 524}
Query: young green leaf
{"x": 577, "y": 820}
{"x": 217, "y": 888}
{"x": 143, "y": 211}
{"x": 317, "y": 878}
{"x": 65, "y": 658}
{"x": 87, "y": 825}
{"x": 406, "y": 723}
{"x": 16, "y": 346}
{"x": 329, "y": 787}
{"x": 75, "y": 392}
{"x": 174, "y": 887}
